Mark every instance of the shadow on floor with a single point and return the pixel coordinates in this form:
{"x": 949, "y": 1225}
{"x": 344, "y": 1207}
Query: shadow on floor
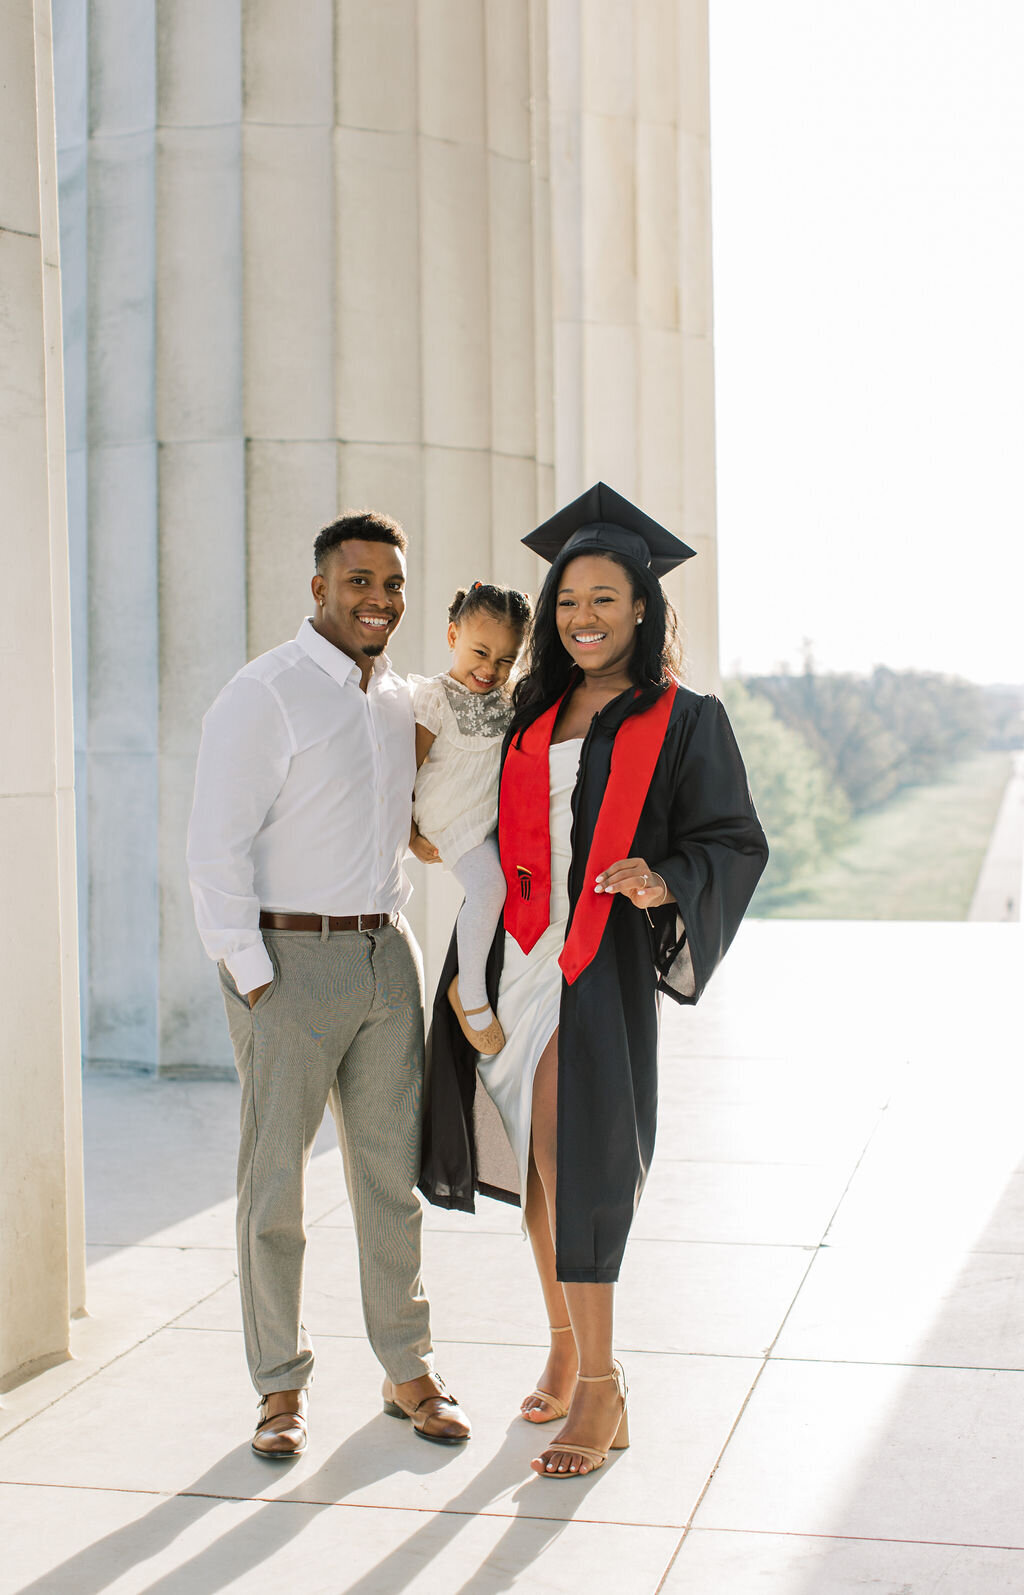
{"x": 271, "y": 1525}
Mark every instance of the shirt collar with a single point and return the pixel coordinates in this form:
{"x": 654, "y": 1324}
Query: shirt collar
{"x": 336, "y": 663}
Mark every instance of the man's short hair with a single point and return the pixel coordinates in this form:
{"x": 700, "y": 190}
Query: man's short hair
{"x": 366, "y": 525}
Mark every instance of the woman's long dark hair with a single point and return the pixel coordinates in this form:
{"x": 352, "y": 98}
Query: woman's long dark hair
{"x": 656, "y": 655}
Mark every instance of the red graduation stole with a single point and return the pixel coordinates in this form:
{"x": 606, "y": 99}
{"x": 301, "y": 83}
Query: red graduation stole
{"x": 525, "y": 842}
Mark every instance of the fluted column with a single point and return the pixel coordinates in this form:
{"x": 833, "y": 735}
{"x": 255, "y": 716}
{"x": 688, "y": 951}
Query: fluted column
{"x": 41, "y": 1243}
{"x": 445, "y": 258}
{"x": 378, "y": 403}
{"x": 202, "y": 607}
{"x": 543, "y": 276}
{"x": 288, "y": 305}
{"x": 696, "y": 591}
{"x": 631, "y": 247}
{"x": 443, "y": 339}
{"x": 123, "y": 701}
{"x": 71, "y": 102}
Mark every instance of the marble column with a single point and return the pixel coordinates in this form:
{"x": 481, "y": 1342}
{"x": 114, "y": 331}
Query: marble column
{"x": 631, "y": 248}
{"x": 41, "y": 1244}
{"x": 443, "y": 344}
{"x": 696, "y": 590}
{"x": 71, "y": 107}
{"x": 289, "y": 335}
{"x": 123, "y": 668}
{"x": 447, "y": 258}
{"x": 201, "y": 473}
{"x": 71, "y": 101}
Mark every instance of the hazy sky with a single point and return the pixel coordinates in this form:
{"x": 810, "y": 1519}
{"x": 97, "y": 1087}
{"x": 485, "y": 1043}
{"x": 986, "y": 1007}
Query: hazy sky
{"x": 868, "y": 184}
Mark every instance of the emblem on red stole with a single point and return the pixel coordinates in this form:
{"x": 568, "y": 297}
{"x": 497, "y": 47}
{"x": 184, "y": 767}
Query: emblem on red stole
{"x": 524, "y": 839}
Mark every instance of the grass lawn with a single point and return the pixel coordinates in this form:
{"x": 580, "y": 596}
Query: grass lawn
{"x": 918, "y": 857}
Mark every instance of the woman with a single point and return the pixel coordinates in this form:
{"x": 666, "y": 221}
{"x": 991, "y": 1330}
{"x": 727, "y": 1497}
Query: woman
{"x": 631, "y": 849}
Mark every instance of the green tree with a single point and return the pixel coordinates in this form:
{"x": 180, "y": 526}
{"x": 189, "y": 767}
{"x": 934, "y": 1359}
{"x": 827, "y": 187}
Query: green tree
{"x": 877, "y": 734}
{"x": 804, "y": 813}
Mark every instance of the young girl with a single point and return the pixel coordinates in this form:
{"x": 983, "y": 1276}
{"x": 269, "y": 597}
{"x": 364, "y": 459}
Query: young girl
{"x": 461, "y": 717}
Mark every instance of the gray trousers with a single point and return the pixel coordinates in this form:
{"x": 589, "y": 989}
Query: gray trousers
{"x": 342, "y": 1022}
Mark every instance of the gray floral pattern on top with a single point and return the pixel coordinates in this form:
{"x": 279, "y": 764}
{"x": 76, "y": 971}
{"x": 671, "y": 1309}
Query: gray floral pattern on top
{"x": 478, "y": 714}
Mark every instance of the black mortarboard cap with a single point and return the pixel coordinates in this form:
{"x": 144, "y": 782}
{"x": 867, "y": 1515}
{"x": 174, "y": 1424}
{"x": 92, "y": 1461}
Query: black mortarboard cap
{"x": 601, "y": 521}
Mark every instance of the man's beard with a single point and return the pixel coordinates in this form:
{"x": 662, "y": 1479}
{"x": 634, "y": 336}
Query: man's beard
{"x": 374, "y": 650}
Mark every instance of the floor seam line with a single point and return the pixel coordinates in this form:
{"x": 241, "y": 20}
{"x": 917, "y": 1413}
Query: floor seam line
{"x": 102, "y": 1368}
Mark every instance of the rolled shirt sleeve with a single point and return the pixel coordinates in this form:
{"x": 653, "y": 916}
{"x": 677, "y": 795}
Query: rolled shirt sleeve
{"x": 244, "y": 754}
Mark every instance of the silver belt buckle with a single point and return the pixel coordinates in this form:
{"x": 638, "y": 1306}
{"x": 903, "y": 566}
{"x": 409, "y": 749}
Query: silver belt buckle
{"x": 359, "y": 922}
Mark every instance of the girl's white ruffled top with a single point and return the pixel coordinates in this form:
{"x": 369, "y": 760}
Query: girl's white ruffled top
{"x": 455, "y": 800}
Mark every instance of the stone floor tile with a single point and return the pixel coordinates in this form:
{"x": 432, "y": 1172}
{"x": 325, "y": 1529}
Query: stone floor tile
{"x": 674, "y": 1296}
{"x": 361, "y": 1456}
{"x": 131, "y": 1292}
{"x": 875, "y": 1452}
{"x": 838, "y": 1472}
{"x": 779, "y": 991}
{"x": 793, "y": 1564}
{"x": 215, "y": 1226}
{"x": 83, "y": 1542}
{"x": 811, "y": 1132}
{"x": 957, "y": 1185}
{"x": 727, "y": 1301}
{"x": 775, "y": 1083}
{"x": 744, "y": 1203}
{"x": 899, "y": 1304}
{"x": 481, "y": 1288}
{"x": 173, "y": 1144}
{"x": 490, "y": 1218}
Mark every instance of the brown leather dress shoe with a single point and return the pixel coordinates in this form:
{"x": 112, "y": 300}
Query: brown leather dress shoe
{"x": 437, "y": 1416}
{"x": 282, "y": 1435}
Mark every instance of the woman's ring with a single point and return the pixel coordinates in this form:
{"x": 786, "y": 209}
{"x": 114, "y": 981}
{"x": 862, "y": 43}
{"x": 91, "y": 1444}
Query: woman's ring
{"x": 644, "y": 887}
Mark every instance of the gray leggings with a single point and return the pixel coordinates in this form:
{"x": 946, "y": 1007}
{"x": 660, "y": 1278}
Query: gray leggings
{"x": 479, "y": 874}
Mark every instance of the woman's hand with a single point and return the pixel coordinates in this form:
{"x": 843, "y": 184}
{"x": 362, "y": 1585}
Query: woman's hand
{"x": 635, "y": 879}
{"x": 425, "y": 851}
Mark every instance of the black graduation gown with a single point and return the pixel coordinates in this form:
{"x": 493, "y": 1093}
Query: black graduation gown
{"x": 699, "y": 831}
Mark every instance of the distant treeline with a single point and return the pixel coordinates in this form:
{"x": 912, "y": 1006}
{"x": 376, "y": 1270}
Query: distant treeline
{"x": 823, "y": 747}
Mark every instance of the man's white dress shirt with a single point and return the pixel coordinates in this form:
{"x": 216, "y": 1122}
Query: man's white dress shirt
{"x": 303, "y": 798}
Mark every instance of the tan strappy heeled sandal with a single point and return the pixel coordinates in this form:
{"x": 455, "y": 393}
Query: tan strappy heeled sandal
{"x": 557, "y": 1410}
{"x": 490, "y": 1039}
{"x": 596, "y": 1458}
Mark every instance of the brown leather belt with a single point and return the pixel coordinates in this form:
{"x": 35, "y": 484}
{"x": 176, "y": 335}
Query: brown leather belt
{"x": 271, "y": 921}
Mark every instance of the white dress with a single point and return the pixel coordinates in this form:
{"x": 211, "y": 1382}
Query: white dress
{"x": 531, "y": 983}
{"x": 455, "y": 799}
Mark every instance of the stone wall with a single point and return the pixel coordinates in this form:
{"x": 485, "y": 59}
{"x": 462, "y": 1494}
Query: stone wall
{"x": 447, "y": 258}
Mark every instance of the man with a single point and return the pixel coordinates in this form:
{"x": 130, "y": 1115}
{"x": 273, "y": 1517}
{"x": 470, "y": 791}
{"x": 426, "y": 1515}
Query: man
{"x": 300, "y": 823}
